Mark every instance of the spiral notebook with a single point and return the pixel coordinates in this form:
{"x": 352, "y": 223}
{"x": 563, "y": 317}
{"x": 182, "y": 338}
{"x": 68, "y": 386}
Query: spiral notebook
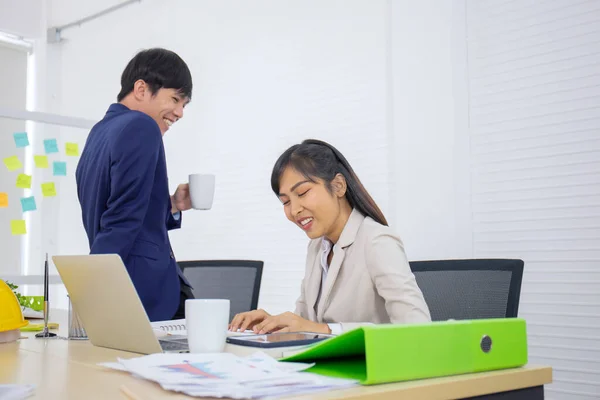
{"x": 177, "y": 327}
{"x": 173, "y": 327}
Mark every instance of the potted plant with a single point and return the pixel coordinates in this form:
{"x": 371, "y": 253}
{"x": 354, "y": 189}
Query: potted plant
{"x": 32, "y": 306}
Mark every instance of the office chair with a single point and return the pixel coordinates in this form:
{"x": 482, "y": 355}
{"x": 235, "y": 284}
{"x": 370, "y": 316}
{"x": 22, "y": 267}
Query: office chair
{"x": 236, "y": 280}
{"x": 470, "y": 289}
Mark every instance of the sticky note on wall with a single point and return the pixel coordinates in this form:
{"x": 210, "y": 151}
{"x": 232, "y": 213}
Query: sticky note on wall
{"x": 13, "y": 163}
{"x": 41, "y": 161}
{"x": 3, "y": 200}
{"x": 50, "y": 146}
{"x": 72, "y": 149}
{"x": 28, "y": 204}
{"x": 48, "y": 189}
{"x": 21, "y": 139}
{"x": 24, "y": 181}
{"x": 18, "y": 227}
{"x": 59, "y": 168}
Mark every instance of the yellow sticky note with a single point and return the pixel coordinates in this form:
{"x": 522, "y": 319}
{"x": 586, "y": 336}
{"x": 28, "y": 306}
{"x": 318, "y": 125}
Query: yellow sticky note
{"x": 72, "y": 149}
{"x": 13, "y": 163}
{"x": 41, "y": 161}
{"x": 3, "y": 200}
{"x": 17, "y": 227}
{"x": 48, "y": 189}
{"x": 24, "y": 181}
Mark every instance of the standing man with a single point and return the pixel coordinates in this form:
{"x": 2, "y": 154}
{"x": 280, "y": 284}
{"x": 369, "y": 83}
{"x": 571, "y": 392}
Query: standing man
{"x": 122, "y": 180}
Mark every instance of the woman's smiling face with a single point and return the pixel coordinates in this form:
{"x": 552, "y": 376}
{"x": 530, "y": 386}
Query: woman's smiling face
{"x": 310, "y": 205}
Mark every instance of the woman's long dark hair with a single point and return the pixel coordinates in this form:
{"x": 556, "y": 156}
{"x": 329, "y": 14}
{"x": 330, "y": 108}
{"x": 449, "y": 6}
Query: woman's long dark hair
{"x": 314, "y": 158}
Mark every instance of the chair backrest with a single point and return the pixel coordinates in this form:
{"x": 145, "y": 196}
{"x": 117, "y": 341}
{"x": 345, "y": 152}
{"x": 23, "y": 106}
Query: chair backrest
{"x": 470, "y": 289}
{"x": 236, "y": 280}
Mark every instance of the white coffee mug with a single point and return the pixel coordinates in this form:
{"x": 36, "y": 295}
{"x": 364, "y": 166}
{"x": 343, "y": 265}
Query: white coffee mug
{"x": 206, "y": 323}
{"x": 202, "y": 190}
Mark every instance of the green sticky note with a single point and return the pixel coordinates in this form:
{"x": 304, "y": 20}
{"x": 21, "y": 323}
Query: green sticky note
{"x": 41, "y": 161}
{"x": 13, "y": 163}
{"x": 21, "y": 139}
{"x": 48, "y": 189}
{"x": 50, "y": 146}
{"x": 24, "y": 181}
{"x": 17, "y": 227}
{"x": 3, "y": 200}
{"x": 28, "y": 204}
{"x": 72, "y": 149}
{"x": 59, "y": 168}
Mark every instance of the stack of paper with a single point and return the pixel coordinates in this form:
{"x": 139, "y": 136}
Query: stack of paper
{"x": 16, "y": 392}
{"x": 227, "y": 375}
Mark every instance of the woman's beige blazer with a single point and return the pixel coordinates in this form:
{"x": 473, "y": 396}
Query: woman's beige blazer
{"x": 368, "y": 281}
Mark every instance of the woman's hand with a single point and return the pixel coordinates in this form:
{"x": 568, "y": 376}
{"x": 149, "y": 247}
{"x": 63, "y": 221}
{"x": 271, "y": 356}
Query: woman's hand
{"x": 289, "y": 322}
{"x": 247, "y": 320}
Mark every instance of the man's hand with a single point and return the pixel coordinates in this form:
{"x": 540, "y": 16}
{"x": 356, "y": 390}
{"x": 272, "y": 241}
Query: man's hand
{"x": 181, "y": 200}
{"x": 289, "y": 322}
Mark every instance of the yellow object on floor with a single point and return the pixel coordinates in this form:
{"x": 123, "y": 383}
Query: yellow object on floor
{"x": 38, "y": 327}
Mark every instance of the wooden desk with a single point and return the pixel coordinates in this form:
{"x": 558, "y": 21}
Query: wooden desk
{"x": 63, "y": 369}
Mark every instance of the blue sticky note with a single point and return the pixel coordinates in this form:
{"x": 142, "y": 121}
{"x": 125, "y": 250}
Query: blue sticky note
{"x": 50, "y": 146}
{"x": 21, "y": 139}
{"x": 28, "y": 204}
{"x": 59, "y": 168}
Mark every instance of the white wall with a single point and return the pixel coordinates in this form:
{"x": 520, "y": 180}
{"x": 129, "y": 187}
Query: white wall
{"x": 62, "y": 12}
{"x": 22, "y": 18}
{"x": 267, "y": 75}
{"x": 430, "y": 145}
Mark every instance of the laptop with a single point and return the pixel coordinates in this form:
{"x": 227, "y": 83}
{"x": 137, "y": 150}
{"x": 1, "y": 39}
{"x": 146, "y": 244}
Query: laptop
{"x": 109, "y": 307}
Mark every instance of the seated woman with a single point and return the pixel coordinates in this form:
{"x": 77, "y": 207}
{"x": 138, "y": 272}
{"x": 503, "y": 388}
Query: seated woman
{"x": 356, "y": 268}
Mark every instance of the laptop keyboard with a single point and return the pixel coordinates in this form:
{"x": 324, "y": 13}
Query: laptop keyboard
{"x": 174, "y": 345}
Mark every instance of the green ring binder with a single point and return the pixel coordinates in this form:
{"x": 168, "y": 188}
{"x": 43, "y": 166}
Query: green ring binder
{"x": 376, "y": 354}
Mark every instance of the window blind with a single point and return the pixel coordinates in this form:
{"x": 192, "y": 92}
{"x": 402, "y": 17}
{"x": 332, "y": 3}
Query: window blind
{"x": 534, "y": 84}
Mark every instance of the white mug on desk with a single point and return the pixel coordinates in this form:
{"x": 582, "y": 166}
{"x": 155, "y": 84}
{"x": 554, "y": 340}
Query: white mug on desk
{"x": 202, "y": 191}
{"x": 206, "y": 323}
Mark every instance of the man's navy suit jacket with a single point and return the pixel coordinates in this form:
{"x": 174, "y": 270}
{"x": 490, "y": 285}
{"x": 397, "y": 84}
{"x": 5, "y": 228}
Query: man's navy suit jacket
{"x": 126, "y": 207}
